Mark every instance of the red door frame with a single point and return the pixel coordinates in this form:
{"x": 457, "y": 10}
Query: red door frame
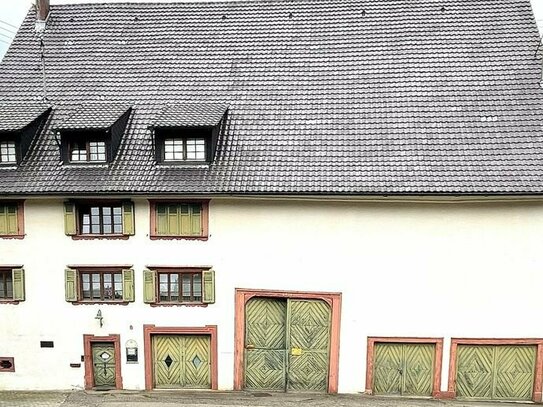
{"x": 150, "y": 330}
{"x": 243, "y": 295}
{"x": 88, "y": 340}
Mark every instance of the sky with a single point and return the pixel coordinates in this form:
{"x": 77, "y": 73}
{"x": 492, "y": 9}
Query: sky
{"x": 12, "y": 13}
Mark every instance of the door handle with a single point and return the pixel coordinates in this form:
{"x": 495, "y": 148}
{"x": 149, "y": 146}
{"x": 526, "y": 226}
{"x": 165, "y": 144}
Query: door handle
{"x": 249, "y": 346}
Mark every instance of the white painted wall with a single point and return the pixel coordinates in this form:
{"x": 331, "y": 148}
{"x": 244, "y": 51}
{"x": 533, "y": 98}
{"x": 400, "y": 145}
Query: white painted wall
{"x": 444, "y": 270}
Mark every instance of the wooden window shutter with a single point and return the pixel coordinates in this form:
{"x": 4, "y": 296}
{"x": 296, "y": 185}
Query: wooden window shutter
{"x": 184, "y": 219}
{"x": 70, "y": 219}
{"x": 196, "y": 224}
{"x": 161, "y": 213}
{"x": 208, "y": 295}
{"x": 149, "y": 286}
{"x": 128, "y": 218}
{"x": 12, "y": 219}
{"x": 3, "y": 220}
{"x": 18, "y": 278}
{"x": 71, "y": 285}
{"x": 128, "y": 285}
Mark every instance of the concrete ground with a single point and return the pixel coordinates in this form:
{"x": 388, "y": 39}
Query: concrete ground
{"x": 217, "y": 399}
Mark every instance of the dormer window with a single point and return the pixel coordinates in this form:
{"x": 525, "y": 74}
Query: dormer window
{"x": 188, "y": 133}
{"x": 92, "y": 133}
{"x": 88, "y": 151}
{"x": 19, "y": 124}
{"x": 8, "y": 152}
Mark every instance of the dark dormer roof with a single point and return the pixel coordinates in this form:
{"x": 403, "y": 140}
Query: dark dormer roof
{"x": 17, "y": 116}
{"x": 92, "y": 116}
{"x": 191, "y": 115}
{"x": 324, "y": 96}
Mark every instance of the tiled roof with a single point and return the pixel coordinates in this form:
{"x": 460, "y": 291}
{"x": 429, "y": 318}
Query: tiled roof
{"x": 324, "y": 96}
{"x": 191, "y": 114}
{"x": 94, "y": 116}
{"x": 16, "y": 116}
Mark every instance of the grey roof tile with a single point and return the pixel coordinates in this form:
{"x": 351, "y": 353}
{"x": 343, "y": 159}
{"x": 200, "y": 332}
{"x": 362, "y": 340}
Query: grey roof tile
{"x": 95, "y": 116}
{"x": 324, "y": 96}
{"x": 191, "y": 115}
{"x": 16, "y": 116}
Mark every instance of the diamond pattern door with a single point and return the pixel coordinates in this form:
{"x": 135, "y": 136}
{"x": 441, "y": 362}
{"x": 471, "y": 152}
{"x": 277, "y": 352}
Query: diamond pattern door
{"x": 103, "y": 364}
{"x": 265, "y": 346}
{"x": 309, "y": 342}
{"x": 403, "y": 369}
{"x": 287, "y": 345}
{"x": 182, "y": 361}
{"x": 495, "y": 372}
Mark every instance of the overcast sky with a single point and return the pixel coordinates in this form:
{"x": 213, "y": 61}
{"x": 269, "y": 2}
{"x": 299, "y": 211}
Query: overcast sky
{"x": 12, "y": 13}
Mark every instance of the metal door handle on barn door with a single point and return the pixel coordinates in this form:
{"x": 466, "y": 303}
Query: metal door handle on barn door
{"x": 249, "y": 346}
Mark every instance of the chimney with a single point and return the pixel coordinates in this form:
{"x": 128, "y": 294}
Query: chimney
{"x": 42, "y": 12}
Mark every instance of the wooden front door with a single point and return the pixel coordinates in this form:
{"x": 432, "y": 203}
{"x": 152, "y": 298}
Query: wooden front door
{"x": 103, "y": 365}
{"x": 495, "y": 372}
{"x": 403, "y": 369}
{"x": 182, "y": 361}
{"x": 287, "y": 344}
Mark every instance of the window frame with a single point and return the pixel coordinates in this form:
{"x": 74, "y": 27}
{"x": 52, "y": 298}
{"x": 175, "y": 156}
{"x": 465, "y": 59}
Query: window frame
{"x": 105, "y": 269}
{"x": 184, "y": 134}
{"x": 12, "y": 268}
{"x": 19, "y": 213}
{"x": 15, "y": 152}
{"x": 87, "y": 141}
{"x": 79, "y": 205}
{"x": 101, "y": 272}
{"x": 153, "y": 216}
{"x": 179, "y": 270}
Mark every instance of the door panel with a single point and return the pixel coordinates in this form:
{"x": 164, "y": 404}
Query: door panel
{"x": 418, "y": 370}
{"x": 265, "y": 362}
{"x": 182, "y": 361}
{"x": 388, "y": 367}
{"x": 495, "y": 372}
{"x": 309, "y": 341}
{"x": 515, "y": 369}
{"x": 103, "y": 362}
{"x": 287, "y": 344}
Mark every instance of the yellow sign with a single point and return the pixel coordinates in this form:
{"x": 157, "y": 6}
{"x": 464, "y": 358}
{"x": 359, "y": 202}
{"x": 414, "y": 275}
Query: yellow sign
{"x": 296, "y": 352}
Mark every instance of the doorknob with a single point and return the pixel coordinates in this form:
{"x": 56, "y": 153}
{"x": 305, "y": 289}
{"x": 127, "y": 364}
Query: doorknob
{"x": 249, "y": 346}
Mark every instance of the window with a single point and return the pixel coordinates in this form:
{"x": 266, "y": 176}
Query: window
{"x": 12, "y": 285}
{"x": 11, "y": 219}
{"x": 179, "y": 219}
{"x": 99, "y": 284}
{"x": 99, "y": 219}
{"x": 8, "y": 153}
{"x": 184, "y": 149}
{"x": 171, "y": 285}
{"x": 88, "y": 151}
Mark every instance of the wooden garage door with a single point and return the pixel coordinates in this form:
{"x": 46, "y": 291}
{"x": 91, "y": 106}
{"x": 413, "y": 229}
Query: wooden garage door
{"x": 403, "y": 369}
{"x": 495, "y": 372}
{"x": 182, "y": 361}
{"x": 287, "y": 344}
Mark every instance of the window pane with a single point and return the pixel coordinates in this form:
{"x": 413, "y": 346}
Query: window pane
{"x": 97, "y": 150}
{"x": 196, "y": 149}
{"x": 108, "y": 286}
{"x": 186, "y": 287}
{"x": 9, "y": 287}
{"x": 7, "y": 152}
{"x": 197, "y": 287}
{"x": 173, "y": 149}
{"x": 85, "y": 278}
{"x": 78, "y": 151}
{"x": 118, "y": 291}
{"x": 164, "y": 295}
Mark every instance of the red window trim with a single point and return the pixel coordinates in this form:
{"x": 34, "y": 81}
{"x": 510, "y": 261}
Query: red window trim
{"x": 20, "y": 218}
{"x": 205, "y": 219}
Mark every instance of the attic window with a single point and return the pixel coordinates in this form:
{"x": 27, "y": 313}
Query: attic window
{"x": 8, "y": 153}
{"x": 88, "y": 151}
{"x": 188, "y": 133}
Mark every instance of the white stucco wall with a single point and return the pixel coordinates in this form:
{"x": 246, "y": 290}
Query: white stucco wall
{"x": 443, "y": 270}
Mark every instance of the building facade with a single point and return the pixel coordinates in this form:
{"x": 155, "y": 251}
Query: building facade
{"x": 277, "y": 219}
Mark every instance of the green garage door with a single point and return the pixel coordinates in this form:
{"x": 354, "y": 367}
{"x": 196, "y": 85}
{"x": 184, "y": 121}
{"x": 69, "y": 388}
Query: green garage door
{"x": 495, "y": 372}
{"x": 287, "y": 345}
{"x": 403, "y": 369}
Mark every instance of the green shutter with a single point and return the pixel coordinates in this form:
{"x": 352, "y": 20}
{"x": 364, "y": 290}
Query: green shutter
{"x": 128, "y": 285}
{"x": 209, "y": 287}
{"x": 3, "y": 220}
{"x": 70, "y": 219}
{"x": 18, "y": 278}
{"x": 71, "y": 285}
{"x": 184, "y": 218}
{"x": 149, "y": 284}
{"x": 12, "y": 219}
{"x": 196, "y": 220}
{"x": 173, "y": 221}
{"x": 128, "y": 218}
{"x": 161, "y": 212}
